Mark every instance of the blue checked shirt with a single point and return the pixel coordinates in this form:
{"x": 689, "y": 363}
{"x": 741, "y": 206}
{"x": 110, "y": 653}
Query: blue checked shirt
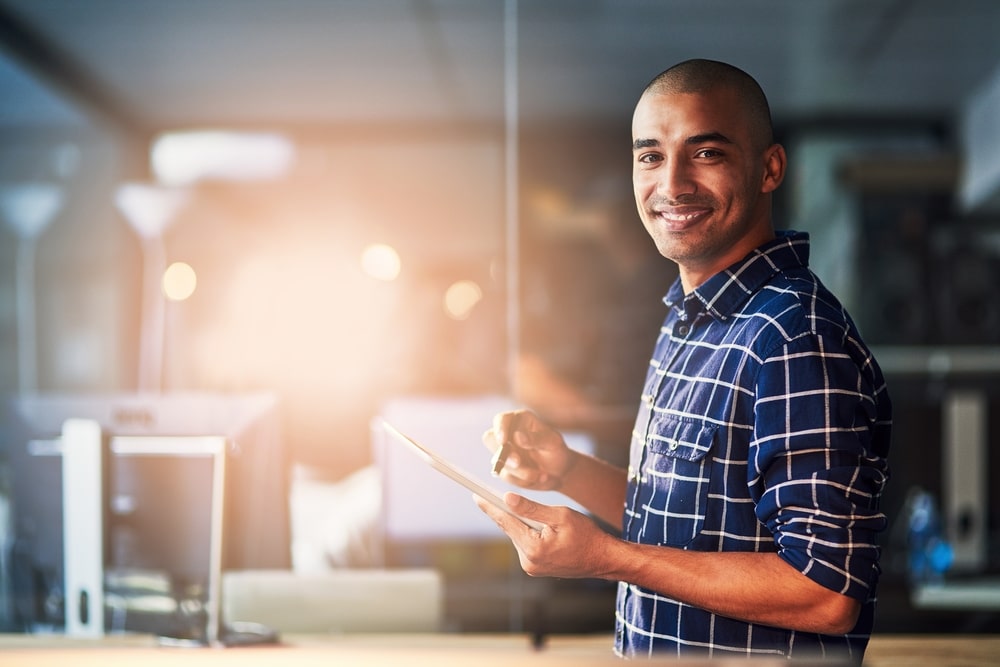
{"x": 763, "y": 426}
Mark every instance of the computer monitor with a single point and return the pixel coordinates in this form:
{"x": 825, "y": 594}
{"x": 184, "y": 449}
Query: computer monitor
{"x": 158, "y": 493}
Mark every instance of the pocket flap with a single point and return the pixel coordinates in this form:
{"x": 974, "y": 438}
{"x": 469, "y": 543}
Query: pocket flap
{"x": 679, "y": 438}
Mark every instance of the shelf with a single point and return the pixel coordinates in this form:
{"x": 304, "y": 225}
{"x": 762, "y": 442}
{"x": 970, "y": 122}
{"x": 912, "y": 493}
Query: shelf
{"x": 938, "y": 361}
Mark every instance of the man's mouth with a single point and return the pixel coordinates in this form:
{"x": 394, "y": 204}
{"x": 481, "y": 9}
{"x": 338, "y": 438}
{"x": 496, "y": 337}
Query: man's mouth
{"x": 681, "y": 217}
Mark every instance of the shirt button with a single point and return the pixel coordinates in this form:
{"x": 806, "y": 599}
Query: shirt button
{"x": 672, "y": 444}
{"x": 682, "y": 329}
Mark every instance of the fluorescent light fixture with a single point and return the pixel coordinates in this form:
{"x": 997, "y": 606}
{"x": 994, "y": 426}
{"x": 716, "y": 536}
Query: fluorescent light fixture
{"x": 184, "y": 158}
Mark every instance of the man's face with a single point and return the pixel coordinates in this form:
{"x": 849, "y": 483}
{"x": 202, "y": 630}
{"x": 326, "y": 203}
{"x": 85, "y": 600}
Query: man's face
{"x": 699, "y": 180}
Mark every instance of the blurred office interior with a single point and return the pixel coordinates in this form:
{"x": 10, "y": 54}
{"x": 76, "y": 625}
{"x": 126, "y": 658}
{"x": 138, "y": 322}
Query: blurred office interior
{"x": 281, "y": 221}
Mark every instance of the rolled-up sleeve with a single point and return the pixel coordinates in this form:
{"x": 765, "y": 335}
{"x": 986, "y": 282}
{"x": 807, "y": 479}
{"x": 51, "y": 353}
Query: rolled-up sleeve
{"x": 816, "y": 472}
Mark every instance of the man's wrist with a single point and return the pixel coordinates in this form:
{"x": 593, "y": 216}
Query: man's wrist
{"x": 573, "y": 459}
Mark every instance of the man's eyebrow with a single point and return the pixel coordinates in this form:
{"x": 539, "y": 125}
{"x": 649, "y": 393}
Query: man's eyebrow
{"x": 708, "y": 138}
{"x": 693, "y": 140}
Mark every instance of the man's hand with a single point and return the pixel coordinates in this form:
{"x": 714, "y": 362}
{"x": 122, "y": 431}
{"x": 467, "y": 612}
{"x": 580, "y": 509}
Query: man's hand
{"x": 570, "y": 545}
{"x": 537, "y": 456}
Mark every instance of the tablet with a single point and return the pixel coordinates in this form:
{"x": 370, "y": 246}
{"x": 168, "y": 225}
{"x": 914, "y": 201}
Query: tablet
{"x": 449, "y": 470}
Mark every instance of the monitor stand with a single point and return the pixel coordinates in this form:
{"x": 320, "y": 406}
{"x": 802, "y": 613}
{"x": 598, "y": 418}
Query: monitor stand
{"x": 83, "y": 527}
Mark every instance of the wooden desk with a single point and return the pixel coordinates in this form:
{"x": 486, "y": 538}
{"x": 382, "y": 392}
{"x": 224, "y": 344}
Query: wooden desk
{"x": 933, "y": 650}
{"x": 443, "y": 650}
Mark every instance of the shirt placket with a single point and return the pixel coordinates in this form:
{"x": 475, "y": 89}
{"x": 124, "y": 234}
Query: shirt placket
{"x": 679, "y": 328}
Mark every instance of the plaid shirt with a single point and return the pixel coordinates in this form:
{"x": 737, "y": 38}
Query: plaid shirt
{"x": 763, "y": 426}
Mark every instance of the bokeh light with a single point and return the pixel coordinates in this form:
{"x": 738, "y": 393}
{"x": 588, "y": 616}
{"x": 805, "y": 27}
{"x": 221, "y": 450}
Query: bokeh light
{"x": 179, "y": 281}
{"x": 461, "y": 297}
{"x": 381, "y": 261}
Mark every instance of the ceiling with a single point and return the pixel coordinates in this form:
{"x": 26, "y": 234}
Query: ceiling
{"x": 147, "y": 65}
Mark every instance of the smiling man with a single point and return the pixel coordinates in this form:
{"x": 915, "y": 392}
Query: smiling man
{"x": 704, "y": 165}
{"x": 749, "y": 512}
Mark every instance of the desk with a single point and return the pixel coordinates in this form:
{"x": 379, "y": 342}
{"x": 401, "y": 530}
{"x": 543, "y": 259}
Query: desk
{"x": 443, "y": 650}
{"x": 933, "y": 650}
{"x": 431, "y": 650}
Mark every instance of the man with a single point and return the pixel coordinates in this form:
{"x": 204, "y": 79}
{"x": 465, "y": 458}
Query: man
{"x": 758, "y": 457}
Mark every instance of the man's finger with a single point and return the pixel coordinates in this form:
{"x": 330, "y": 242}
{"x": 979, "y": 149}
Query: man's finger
{"x": 501, "y": 518}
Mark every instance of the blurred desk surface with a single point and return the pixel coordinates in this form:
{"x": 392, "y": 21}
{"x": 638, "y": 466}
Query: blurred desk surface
{"x": 981, "y": 594}
{"x": 928, "y": 650}
{"x": 443, "y": 650}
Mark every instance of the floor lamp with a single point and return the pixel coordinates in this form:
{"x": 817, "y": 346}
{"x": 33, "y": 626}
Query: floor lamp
{"x": 28, "y": 208}
{"x": 149, "y": 210}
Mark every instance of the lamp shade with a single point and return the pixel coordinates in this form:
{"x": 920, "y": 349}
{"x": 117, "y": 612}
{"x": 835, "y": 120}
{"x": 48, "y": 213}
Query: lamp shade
{"x": 28, "y": 208}
{"x": 149, "y": 208}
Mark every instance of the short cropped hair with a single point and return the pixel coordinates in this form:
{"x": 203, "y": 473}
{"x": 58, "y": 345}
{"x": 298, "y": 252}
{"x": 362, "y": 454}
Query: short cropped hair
{"x": 700, "y": 76}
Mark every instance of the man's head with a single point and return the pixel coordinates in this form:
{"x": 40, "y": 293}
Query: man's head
{"x": 701, "y": 76}
{"x": 704, "y": 165}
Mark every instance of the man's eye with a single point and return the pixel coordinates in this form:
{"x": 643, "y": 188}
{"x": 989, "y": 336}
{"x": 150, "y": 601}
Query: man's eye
{"x": 649, "y": 158}
{"x": 708, "y": 152}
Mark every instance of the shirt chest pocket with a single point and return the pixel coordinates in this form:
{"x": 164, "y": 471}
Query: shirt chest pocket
{"x": 676, "y": 478}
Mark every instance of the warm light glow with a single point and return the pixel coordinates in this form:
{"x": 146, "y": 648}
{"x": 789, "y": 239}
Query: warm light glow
{"x": 179, "y": 281}
{"x": 381, "y": 261}
{"x": 301, "y": 318}
{"x": 184, "y": 158}
{"x": 461, "y": 298}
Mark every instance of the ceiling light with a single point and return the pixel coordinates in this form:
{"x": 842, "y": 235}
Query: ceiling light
{"x": 185, "y": 158}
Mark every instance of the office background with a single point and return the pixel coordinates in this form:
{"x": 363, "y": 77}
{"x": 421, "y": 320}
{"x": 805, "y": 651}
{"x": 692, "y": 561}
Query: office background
{"x": 361, "y": 203}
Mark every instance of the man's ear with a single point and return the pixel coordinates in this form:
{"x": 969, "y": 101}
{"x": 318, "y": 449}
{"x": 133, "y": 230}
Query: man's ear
{"x": 774, "y": 168}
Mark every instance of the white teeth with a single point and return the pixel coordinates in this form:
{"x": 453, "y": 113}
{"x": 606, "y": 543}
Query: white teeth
{"x": 675, "y": 217}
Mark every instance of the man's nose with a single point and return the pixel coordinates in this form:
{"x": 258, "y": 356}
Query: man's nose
{"x": 675, "y": 179}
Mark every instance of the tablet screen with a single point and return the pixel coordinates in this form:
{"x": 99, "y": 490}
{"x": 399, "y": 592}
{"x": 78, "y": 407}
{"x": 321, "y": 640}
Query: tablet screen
{"x": 450, "y": 470}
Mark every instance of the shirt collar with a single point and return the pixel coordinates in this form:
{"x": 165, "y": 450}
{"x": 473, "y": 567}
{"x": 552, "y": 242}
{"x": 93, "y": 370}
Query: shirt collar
{"x": 722, "y": 294}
